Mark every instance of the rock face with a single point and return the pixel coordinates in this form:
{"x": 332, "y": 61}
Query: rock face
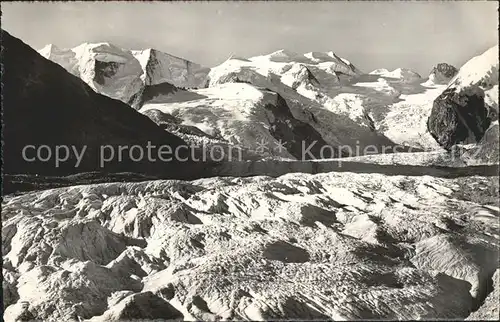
{"x": 160, "y": 67}
{"x": 295, "y": 134}
{"x": 442, "y": 73}
{"x": 459, "y": 117}
{"x": 464, "y": 111}
{"x": 332, "y": 246}
{"x": 45, "y": 105}
{"x": 164, "y": 93}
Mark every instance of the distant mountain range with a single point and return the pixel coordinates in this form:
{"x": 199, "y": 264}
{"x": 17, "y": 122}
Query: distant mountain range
{"x": 271, "y": 234}
{"x": 268, "y": 106}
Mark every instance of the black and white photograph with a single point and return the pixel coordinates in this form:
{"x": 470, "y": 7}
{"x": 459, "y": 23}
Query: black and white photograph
{"x": 250, "y": 161}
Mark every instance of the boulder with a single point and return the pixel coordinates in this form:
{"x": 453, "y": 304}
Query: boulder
{"x": 459, "y": 116}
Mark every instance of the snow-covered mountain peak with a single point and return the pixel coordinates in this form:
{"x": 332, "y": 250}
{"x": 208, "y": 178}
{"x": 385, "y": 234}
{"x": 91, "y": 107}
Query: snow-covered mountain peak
{"x": 379, "y": 71}
{"x": 240, "y": 91}
{"x": 481, "y": 70}
{"x": 318, "y": 56}
{"x": 47, "y": 50}
{"x": 321, "y": 57}
{"x": 159, "y": 67}
{"x": 293, "y": 69}
{"x": 400, "y": 73}
{"x": 64, "y": 57}
{"x": 463, "y": 113}
{"x": 332, "y": 54}
{"x": 121, "y": 73}
{"x": 279, "y": 56}
{"x": 106, "y": 52}
{"x": 101, "y": 44}
{"x": 146, "y": 51}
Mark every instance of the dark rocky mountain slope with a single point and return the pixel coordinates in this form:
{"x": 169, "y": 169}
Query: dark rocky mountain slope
{"x": 43, "y": 104}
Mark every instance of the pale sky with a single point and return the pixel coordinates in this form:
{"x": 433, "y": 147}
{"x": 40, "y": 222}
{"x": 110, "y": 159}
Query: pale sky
{"x": 374, "y": 34}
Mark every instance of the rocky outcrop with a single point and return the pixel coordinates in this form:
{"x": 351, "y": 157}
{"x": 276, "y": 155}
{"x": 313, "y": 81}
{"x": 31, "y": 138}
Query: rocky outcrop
{"x": 295, "y": 134}
{"x": 487, "y": 150}
{"x": 173, "y": 124}
{"x": 45, "y": 105}
{"x": 465, "y": 110}
{"x": 459, "y": 116}
{"x": 442, "y": 73}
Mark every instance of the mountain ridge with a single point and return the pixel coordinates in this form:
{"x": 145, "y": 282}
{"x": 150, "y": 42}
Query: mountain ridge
{"x": 43, "y": 104}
